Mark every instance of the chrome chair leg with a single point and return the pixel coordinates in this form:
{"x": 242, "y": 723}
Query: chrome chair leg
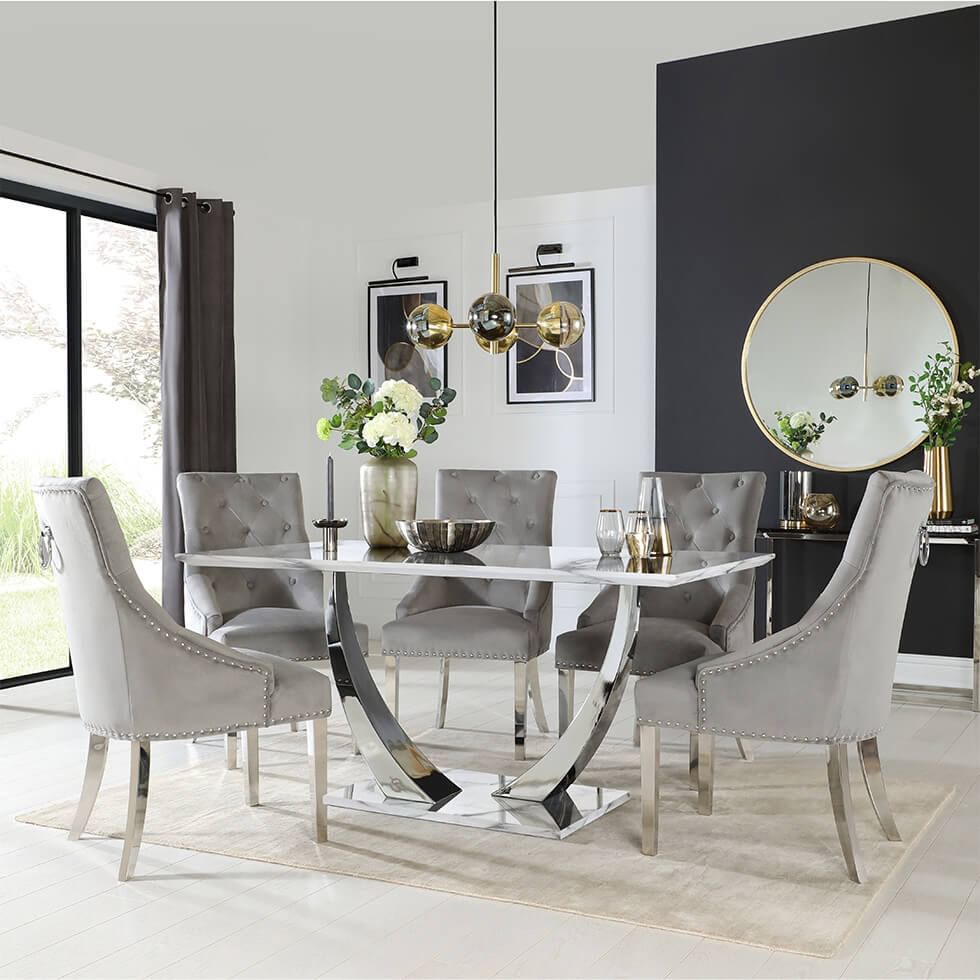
{"x": 391, "y": 684}
{"x": 692, "y": 761}
{"x": 745, "y": 750}
{"x": 838, "y": 779}
{"x": 316, "y": 740}
{"x": 706, "y": 773}
{"x": 636, "y": 734}
{"x": 534, "y": 684}
{"x": 139, "y": 787}
{"x": 98, "y": 748}
{"x": 649, "y": 788}
{"x": 443, "y": 692}
{"x": 250, "y": 765}
{"x": 293, "y": 726}
{"x": 874, "y": 783}
{"x": 231, "y": 750}
{"x": 566, "y": 698}
{"x": 520, "y": 709}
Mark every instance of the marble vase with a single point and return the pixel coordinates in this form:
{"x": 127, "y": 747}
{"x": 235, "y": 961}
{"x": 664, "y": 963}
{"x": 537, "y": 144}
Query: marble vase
{"x": 389, "y": 491}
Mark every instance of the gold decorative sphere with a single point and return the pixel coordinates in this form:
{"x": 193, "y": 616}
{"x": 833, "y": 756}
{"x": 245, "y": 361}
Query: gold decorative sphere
{"x": 492, "y": 317}
{"x": 429, "y": 326}
{"x": 498, "y": 346}
{"x": 561, "y": 324}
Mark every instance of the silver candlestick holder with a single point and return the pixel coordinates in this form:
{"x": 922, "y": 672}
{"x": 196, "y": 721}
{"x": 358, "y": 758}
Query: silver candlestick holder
{"x": 331, "y": 533}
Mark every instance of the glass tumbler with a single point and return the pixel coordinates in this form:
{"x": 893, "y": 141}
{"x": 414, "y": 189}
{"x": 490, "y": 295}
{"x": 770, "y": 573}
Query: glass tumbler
{"x": 638, "y": 534}
{"x": 609, "y": 532}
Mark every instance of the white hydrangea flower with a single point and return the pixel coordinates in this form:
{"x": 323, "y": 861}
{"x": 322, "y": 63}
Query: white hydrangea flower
{"x": 391, "y": 428}
{"x": 798, "y": 419}
{"x": 403, "y": 394}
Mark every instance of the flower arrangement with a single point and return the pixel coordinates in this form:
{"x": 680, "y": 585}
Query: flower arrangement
{"x": 385, "y": 422}
{"x": 800, "y": 430}
{"x": 940, "y": 390}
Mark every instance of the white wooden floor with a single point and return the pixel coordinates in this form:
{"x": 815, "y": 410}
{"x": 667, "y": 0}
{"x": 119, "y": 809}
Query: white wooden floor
{"x": 63, "y": 914}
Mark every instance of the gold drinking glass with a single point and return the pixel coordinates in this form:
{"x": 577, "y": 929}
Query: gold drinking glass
{"x": 609, "y": 532}
{"x": 638, "y": 534}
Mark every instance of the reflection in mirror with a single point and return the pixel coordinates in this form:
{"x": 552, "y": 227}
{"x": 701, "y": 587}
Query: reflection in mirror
{"x": 827, "y": 358}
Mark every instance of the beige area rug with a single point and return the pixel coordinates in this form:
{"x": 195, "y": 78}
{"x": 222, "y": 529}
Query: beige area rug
{"x": 764, "y": 869}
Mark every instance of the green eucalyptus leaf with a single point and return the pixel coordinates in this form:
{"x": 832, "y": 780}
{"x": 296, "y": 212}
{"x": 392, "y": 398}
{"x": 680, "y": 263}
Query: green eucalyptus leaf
{"x": 353, "y": 381}
{"x": 368, "y": 387}
{"x": 435, "y": 384}
{"x": 429, "y": 435}
{"x": 425, "y": 409}
{"x": 448, "y": 394}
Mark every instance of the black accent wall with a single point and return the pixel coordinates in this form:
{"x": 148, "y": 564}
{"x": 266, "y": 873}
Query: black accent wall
{"x": 858, "y": 142}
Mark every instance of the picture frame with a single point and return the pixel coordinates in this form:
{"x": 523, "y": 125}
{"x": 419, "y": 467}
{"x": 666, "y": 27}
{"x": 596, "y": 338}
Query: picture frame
{"x": 536, "y": 373}
{"x": 390, "y": 353}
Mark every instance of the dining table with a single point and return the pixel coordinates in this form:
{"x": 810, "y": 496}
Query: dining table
{"x": 546, "y": 799}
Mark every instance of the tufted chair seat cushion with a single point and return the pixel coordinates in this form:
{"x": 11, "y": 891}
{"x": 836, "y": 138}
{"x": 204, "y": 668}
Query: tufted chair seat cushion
{"x": 298, "y": 692}
{"x": 660, "y": 644}
{"x": 480, "y": 632}
{"x": 295, "y": 634}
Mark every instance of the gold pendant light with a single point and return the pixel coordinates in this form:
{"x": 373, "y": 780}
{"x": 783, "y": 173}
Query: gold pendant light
{"x": 492, "y": 316}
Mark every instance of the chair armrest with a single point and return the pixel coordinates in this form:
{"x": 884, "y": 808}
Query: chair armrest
{"x": 199, "y": 596}
{"x": 602, "y": 609}
{"x": 732, "y": 626}
{"x": 538, "y": 611}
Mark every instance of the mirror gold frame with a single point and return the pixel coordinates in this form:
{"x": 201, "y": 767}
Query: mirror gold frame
{"x": 809, "y": 463}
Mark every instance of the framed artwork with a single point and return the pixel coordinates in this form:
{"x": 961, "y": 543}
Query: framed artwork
{"x": 536, "y": 372}
{"x": 390, "y": 353}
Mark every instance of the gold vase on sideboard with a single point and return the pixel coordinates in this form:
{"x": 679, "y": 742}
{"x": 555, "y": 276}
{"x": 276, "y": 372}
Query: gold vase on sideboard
{"x": 937, "y": 466}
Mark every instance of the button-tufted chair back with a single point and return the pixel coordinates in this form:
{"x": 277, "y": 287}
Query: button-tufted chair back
{"x": 706, "y": 512}
{"x": 522, "y": 502}
{"x": 241, "y": 510}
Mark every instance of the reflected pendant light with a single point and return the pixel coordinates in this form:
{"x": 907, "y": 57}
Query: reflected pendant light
{"x": 492, "y": 316}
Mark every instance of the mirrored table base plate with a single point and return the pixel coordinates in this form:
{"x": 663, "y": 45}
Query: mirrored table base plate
{"x": 475, "y": 806}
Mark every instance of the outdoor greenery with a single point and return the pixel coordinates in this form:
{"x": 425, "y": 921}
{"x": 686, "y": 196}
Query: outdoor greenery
{"x": 386, "y": 422}
{"x": 800, "y": 430}
{"x": 33, "y": 637}
{"x": 139, "y": 518}
{"x": 939, "y": 393}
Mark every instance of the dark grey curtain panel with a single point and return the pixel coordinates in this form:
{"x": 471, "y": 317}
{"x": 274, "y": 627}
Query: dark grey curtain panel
{"x": 197, "y": 339}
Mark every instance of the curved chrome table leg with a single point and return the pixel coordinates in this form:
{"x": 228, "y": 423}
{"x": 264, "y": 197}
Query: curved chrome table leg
{"x": 562, "y": 764}
{"x": 98, "y": 748}
{"x": 874, "y": 783}
{"x": 401, "y": 769}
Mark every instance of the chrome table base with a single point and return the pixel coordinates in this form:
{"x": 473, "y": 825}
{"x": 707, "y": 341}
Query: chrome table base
{"x": 544, "y": 800}
{"x": 476, "y": 806}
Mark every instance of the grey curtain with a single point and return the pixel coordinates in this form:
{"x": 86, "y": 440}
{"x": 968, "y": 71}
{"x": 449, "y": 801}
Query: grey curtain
{"x": 197, "y": 339}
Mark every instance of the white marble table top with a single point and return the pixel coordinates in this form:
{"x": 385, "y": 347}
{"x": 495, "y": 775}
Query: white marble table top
{"x": 489, "y": 561}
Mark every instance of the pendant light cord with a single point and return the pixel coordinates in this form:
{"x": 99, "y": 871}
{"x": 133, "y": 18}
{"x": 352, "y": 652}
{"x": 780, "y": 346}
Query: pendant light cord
{"x": 494, "y": 72}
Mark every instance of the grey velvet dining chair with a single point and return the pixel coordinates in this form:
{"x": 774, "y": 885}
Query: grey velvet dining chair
{"x": 142, "y": 678}
{"x": 826, "y": 680}
{"x": 482, "y": 619}
{"x": 263, "y": 609}
{"x": 705, "y": 512}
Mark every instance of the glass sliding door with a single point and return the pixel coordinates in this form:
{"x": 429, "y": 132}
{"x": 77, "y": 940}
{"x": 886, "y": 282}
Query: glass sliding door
{"x": 79, "y": 394}
{"x": 33, "y": 427}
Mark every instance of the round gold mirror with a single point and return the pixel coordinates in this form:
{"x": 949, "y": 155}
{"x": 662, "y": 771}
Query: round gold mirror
{"x": 827, "y": 358}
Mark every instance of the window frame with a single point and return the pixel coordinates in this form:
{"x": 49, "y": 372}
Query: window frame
{"x": 75, "y": 208}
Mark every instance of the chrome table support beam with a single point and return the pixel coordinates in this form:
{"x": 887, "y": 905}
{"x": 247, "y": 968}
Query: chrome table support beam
{"x": 874, "y": 783}
{"x": 564, "y": 762}
{"x": 98, "y": 748}
{"x": 316, "y": 741}
{"x": 400, "y": 767}
{"x": 391, "y": 683}
{"x": 443, "y": 692}
{"x": 139, "y": 788}
{"x": 250, "y": 765}
{"x": 838, "y": 779}
{"x": 566, "y": 698}
{"x": 649, "y": 788}
{"x": 745, "y": 750}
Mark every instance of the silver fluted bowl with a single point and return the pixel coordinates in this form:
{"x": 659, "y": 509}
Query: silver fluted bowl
{"x": 446, "y": 537}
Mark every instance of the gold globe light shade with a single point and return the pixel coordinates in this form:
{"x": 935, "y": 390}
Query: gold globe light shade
{"x": 561, "y": 324}
{"x": 498, "y": 346}
{"x": 492, "y": 317}
{"x": 429, "y": 326}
